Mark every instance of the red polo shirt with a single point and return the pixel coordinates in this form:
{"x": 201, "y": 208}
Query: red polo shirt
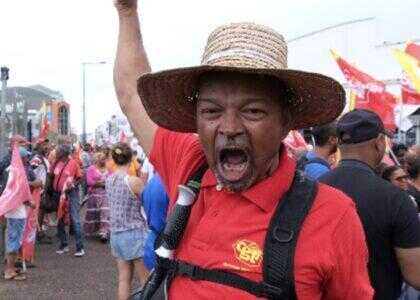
{"x": 227, "y": 230}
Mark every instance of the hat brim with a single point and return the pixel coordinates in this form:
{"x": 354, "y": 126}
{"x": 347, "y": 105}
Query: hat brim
{"x": 317, "y": 99}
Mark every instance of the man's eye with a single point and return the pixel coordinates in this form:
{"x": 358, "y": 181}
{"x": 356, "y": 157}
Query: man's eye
{"x": 209, "y": 111}
{"x": 254, "y": 111}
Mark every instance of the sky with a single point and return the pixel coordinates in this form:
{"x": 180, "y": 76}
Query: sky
{"x": 46, "y": 41}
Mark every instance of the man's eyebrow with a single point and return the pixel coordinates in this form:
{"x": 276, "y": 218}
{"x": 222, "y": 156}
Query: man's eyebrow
{"x": 256, "y": 100}
{"x": 207, "y": 99}
{"x": 246, "y": 100}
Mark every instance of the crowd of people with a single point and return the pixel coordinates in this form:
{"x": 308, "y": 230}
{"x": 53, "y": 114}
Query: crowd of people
{"x": 106, "y": 183}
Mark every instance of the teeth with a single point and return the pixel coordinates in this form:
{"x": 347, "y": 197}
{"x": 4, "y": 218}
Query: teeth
{"x": 234, "y": 167}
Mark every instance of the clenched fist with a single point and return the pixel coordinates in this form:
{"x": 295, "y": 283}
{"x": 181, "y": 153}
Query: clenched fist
{"x": 125, "y": 5}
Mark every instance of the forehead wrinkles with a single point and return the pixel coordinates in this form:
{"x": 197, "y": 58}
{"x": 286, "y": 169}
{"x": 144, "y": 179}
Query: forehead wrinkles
{"x": 223, "y": 86}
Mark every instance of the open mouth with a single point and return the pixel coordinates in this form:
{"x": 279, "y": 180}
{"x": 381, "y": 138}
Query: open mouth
{"x": 233, "y": 163}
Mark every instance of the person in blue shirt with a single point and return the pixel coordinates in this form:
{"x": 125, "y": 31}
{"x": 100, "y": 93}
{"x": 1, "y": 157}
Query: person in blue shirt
{"x": 155, "y": 205}
{"x": 315, "y": 163}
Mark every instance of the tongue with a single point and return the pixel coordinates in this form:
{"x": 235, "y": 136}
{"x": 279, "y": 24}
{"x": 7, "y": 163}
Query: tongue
{"x": 235, "y": 158}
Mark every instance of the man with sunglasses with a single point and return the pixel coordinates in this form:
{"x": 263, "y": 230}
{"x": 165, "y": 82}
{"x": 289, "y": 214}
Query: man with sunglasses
{"x": 388, "y": 216}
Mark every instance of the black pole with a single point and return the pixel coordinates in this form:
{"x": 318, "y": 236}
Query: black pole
{"x": 29, "y": 132}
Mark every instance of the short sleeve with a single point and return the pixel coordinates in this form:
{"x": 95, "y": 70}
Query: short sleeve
{"x": 406, "y": 223}
{"x": 175, "y": 157}
{"x": 349, "y": 278}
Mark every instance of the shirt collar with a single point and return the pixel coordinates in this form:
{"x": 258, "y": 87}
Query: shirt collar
{"x": 266, "y": 193}
{"x": 354, "y": 163}
{"x": 312, "y": 154}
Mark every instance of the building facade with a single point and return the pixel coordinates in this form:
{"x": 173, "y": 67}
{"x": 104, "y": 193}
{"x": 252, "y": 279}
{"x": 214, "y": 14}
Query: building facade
{"x": 26, "y": 107}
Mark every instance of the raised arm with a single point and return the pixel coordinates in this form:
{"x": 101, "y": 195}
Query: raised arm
{"x": 131, "y": 62}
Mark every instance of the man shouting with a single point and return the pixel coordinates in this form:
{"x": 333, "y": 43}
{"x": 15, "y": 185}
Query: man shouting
{"x": 232, "y": 113}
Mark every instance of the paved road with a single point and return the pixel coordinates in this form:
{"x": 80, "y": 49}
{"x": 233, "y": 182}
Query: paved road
{"x": 66, "y": 277}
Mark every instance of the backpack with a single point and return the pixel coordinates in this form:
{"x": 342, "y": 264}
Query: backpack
{"x": 4, "y": 171}
{"x": 279, "y": 247}
{"x": 304, "y": 161}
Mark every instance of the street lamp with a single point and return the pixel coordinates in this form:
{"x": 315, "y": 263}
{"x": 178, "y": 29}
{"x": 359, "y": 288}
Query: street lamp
{"x": 4, "y": 77}
{"x": 84, "y": 64}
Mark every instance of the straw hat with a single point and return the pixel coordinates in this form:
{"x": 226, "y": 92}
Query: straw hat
{"x": 169, "y": 96}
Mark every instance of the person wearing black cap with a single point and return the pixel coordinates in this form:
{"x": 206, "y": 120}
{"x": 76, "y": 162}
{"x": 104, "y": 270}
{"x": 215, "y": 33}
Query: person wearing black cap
{"x": 388, "y": 216}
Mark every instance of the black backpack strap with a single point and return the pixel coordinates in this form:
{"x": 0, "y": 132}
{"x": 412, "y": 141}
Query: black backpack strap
{"x": 283, "y": 232}
{"x": 279, "y": 248}
{"x": 259, "y": 289}
{"x": 194, "y": 181}
{"x": 301, "y": 162}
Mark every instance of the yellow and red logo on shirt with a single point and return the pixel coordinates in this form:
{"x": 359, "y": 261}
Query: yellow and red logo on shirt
{"x": 248, "y": 252}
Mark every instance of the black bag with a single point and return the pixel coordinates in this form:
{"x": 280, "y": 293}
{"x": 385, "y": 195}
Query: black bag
{"x": 50, "y": 197}
{"x": 4, "y": 173}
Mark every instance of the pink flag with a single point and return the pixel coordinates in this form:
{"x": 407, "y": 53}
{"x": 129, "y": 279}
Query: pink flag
{"x": 17, "y": 188}
{"x": 295, "y": 140}
{"x": 29, "y": 235}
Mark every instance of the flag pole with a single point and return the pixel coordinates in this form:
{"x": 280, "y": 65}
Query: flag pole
{"x": 394, "y": 157}
{"x": 400, "y": 132}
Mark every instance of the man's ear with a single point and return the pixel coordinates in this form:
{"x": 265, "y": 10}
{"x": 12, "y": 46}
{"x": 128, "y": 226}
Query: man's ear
{"x": 333, "y": 140}
{"x": 380, "y": 144}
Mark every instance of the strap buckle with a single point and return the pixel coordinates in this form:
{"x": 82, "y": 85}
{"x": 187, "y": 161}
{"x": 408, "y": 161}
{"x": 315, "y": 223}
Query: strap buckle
{"x": 283, "y": 235}
{"x": 270, "y": 291}
{"x": 185, "y": 269}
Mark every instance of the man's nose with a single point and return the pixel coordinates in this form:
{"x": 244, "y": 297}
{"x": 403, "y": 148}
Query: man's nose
{"x": 231, "y": 124}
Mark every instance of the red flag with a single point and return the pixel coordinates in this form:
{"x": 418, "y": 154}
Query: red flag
{"x": 29, "y": 235}
{"x": 44, "y": 130}
{"x": 408, "y": 93}
{"x": 370, "y": 93}
{"x": 17, "y": 188}
{"x": 63, "y": 209}
{"x": 295, "y": 140}
{"x": 123, "y": 137}
{"x": 413, "y": 50}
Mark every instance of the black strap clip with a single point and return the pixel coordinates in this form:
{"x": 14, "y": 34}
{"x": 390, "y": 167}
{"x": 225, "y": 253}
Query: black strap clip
{"x": 283, "y": 235}
{"x": 185, "y": 269}
{"x": 270, "y": 291}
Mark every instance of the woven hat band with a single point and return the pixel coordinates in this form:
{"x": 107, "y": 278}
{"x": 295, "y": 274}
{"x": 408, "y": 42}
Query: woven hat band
{"x": 252, "y": 57}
